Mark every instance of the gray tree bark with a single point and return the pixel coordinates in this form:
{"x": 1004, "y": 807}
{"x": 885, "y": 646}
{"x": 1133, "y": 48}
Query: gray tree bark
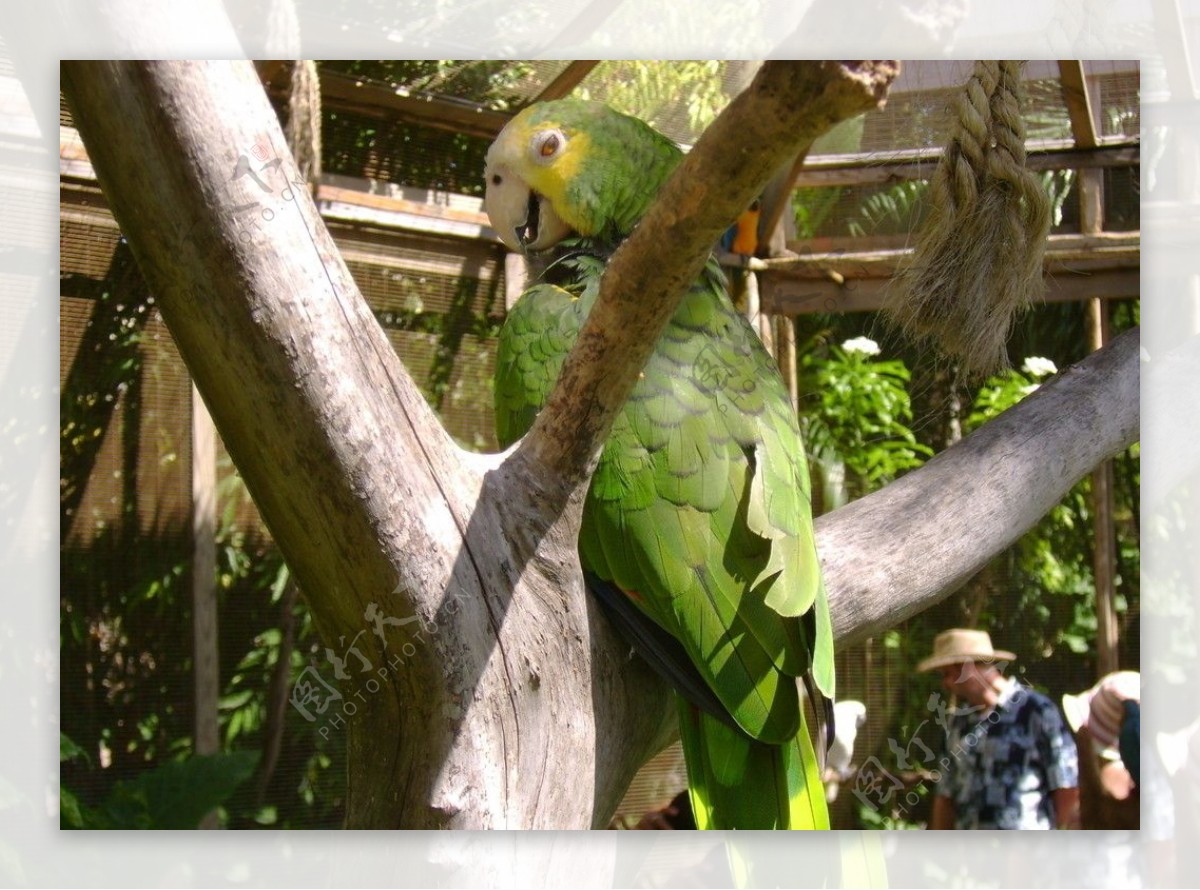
{"x": 489, "y": 692}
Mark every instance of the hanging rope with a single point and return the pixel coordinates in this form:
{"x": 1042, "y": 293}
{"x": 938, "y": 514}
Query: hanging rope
{"x": 978, "y": 261}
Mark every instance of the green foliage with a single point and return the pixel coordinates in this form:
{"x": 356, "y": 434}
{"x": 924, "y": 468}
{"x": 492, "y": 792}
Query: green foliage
{"x": 652, "y": 90}
{"x": 173, "y": 795}
{"x": 897, "y": 206}
{"x": 872, "y": 818}
{"x": 68, "y": 750}
{"x": 856, "y": 412}
{"x": 1059, "y": 186}
{"x": 812, "y": 208}
{"x": 1003, "y": 391}
{"x": 1038, "y": 597}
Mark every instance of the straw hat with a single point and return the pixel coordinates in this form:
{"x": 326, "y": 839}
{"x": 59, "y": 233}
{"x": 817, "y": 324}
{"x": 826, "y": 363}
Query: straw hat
{"x": 958, "y": 645}
{"x": 1101, "y": 708}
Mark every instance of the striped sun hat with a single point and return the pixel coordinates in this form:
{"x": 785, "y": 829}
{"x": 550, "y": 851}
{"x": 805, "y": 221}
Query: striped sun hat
{"x": 1101, "y": 708}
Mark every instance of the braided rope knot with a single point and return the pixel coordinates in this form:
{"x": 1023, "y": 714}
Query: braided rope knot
{"x": 978, "y": 262}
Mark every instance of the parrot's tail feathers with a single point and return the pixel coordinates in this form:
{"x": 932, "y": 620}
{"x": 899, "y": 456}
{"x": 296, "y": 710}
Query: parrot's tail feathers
{"x": 736, "y": 782}
{"x": 662, "y": 652}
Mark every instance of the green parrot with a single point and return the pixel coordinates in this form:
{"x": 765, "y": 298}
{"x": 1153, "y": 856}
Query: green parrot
{"x": 697, "y": 525}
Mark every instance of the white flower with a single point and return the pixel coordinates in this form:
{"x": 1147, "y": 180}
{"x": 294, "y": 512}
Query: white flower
{"x": 862, "y": 345}
{"x": 1037, "y": 366}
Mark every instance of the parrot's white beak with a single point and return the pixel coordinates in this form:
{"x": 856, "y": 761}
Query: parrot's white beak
{"x": 524, "y": 220}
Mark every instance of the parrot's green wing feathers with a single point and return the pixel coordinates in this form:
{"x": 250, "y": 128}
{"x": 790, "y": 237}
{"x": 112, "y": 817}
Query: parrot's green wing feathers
{"x": 699, "y": 507}
{"x": 535, "y": 339}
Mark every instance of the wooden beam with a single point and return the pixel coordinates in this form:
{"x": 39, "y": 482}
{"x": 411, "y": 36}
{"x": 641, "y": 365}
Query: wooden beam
{"x": 861, "y": 169}
{"x": 777, "y": 199}
{"x": 1104, "y": 557}
{"x": 1079, "y": 103}
{"x": 569, "y": 78}
{"x": 340, "y": 92}
{"x": 861, "y": 245}
{"x": 800, "y": 296}
{"x": 1106, "y": 250}
{"x": 338, "y": 198}
{"x": 430, "y": 216}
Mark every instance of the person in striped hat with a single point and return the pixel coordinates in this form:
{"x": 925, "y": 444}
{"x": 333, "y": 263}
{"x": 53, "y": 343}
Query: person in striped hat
{"x": 1106, "y": 720}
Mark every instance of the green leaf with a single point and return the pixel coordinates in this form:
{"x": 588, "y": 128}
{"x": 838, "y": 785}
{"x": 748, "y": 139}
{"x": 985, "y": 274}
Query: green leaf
{"x": 68, "y": 750}
{"x": 70, "y": 813}
{"x": 177, "y": 794}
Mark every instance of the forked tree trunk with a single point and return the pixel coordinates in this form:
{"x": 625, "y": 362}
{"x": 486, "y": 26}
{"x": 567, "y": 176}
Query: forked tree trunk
{"x": 481, "y": 687}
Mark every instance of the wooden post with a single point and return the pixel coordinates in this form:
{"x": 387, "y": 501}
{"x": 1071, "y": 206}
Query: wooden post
{"x": 1105, "y": 558}
{"x": 759, "y": 320}
{"x": 785, "y": 338}
{"x": 569, "y": 78}
{"x": 1091, "y": 222}
{"x": 207, "y": 679}
{"x": 776, "y": 203}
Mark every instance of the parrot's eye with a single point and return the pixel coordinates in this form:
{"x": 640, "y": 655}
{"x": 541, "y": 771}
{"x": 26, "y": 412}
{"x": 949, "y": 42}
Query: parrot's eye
{"x": 547, "y": 145}
{"x": 496, "y": 179}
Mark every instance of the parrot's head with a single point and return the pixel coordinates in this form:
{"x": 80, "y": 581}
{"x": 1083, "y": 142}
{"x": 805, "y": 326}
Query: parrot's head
{"x": 571, "y": 167}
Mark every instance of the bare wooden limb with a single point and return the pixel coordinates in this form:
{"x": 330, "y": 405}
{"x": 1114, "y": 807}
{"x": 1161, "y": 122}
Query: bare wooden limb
{"x": 911, "y": 544}
{"x": 567, "y": 80}
{"x": 350, "y": 94}
{"x": 777, "y": 200}
{"x": 1079, "y": 104}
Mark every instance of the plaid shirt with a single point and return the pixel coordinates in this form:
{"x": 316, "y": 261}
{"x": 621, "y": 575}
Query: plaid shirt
{"x": 1000, "y": 766}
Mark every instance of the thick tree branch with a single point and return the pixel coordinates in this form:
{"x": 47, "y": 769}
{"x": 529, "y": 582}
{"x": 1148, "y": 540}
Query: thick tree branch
{"x": 786, "y": 107}
{"x": 900, "y": 550}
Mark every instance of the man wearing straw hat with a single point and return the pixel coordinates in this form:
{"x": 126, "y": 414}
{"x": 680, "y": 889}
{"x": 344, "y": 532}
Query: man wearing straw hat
{"x": 1009, "y": 760}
